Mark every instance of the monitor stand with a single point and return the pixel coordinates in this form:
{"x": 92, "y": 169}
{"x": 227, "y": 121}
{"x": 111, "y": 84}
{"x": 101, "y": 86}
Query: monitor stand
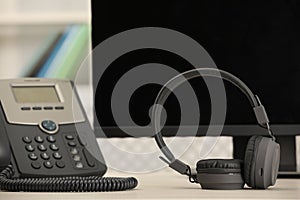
{"x": 288, "y": 161}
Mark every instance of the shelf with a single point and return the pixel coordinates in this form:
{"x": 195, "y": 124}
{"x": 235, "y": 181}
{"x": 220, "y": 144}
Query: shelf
{"x": 36, "y": 12}
{"x": 45, "y": 19}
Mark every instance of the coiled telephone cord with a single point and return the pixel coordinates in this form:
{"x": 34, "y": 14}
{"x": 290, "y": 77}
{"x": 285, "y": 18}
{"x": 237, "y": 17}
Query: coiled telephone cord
{"x": 64, "y": 184}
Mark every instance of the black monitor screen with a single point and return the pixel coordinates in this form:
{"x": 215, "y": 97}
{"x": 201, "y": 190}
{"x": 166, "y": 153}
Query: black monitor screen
{"x": 258, "y": 41}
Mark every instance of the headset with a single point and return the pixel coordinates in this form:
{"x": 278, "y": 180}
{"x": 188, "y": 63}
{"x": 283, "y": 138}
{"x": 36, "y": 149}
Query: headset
{"x": 260, "y": 167}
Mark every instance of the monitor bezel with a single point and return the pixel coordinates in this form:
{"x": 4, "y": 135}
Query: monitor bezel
{"x": 227, "y": 130}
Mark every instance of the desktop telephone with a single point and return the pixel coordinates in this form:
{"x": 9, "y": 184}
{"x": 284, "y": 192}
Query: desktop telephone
{"x": 41, "y": 148}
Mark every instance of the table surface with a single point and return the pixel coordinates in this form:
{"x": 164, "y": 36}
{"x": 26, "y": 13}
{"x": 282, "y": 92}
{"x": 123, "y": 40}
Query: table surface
{"x": 167, "y": 184}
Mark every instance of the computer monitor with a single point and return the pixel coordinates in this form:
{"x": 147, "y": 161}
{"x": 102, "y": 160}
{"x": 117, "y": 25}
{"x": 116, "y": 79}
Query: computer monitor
{"x": 256, "y": 41}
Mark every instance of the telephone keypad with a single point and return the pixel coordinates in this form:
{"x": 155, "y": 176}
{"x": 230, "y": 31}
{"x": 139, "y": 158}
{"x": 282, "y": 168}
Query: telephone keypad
{"x": 60, "y": 164}
{"x": 45, "y": 156}
{"x": 53, "y": 147}
{"x": 27, "y": 140}
{"x": 48, "y": 164}
{"x": 44, "y": 153}
{"x": 32, "y": 156}
{"x": 29, "y": 148}
{"x": 39, "y": 139}
{"x": 51, "y": 139}
{"x": 36, "y": 165}
{"x": 57, "y": 155}
{"x": 42, "y": 147}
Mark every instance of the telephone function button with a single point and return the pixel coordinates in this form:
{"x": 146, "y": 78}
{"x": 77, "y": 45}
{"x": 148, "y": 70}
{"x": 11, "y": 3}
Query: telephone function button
{"x": 74, "y": 151}
{"x": 59, "y": 107}
{"x": 79, "y": 165}
{"x": 53, "y": 147}
{"x": 76, "y": 158}
{"x": 51, "y": 139}
{"x": 39, "y": 139}
{"x": 57, "y": 155}
{"x": 48, "y": 108}
{"x": 89, "y": 158}
{"x": 32, "y": 156}
{"x": 48, "y": 164}
{"x": 42, "y": 147}
{"x": 29, "y": 148}
{"x": 25, "y": 108}
{"x": 36, "y": 108}
{"x": 36, "y": 165}
{"x": 48, "y": 126}
{"x": 69, "y": 137}
{"x": 60, "y": 164}
{"x": 45, "y": 156}
{"x": 27, "y": 140}
{"x": 72, "y": 144}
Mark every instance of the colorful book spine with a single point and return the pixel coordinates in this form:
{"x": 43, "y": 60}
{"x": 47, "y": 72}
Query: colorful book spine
{"x": 41, "y": 55}
{"x": 52, "y": 56}
{"x": 68, "y": 54}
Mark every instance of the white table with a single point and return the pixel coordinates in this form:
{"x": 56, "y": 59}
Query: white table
{"x": 166, "y": 184}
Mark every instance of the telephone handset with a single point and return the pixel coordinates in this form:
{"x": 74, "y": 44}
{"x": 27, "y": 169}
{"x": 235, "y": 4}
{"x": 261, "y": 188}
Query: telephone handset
{"x": 5, "y": 153}
{"x": 46, "y": 142}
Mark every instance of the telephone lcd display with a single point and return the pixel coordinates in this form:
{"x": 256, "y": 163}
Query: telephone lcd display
{"x": 35, "y": 94}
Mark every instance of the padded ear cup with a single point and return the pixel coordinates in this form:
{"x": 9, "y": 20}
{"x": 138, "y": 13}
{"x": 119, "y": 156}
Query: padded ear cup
{"x": 220, "y": 174}
{"x": 249, "y": 159}
{"x": 220, "y": 165}
{"x": 261, "y": 162}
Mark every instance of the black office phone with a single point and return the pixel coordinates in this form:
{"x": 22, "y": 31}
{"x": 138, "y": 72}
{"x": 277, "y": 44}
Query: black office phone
{"x": 46, "y": 141}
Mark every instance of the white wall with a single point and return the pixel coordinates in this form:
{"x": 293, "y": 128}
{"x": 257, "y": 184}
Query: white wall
{"x": 41, "y": 11}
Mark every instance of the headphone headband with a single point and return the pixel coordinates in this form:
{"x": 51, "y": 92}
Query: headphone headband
{"x": 258, "y": 108}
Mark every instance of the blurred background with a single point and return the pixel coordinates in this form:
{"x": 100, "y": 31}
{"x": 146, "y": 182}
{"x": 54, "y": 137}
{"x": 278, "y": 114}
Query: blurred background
{"x": 44, "y": 38}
